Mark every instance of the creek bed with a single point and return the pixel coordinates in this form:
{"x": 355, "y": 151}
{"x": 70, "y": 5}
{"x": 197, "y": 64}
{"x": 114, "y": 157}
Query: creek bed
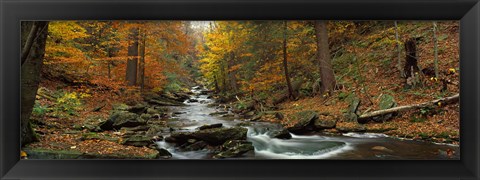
{"x": 361, "y": 146}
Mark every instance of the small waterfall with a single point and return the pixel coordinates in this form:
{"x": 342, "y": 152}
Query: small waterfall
{"x": 299, "y": 147}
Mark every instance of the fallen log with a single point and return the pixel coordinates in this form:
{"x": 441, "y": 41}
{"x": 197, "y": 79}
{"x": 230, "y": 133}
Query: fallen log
{"x": 444, "y": 101}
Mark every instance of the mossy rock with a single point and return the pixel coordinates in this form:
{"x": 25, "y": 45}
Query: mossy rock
{"x": 138, "y": 141}
{"x": 214, "y": 136}
{"x": 53, "y": 154}
{"x": 325, "y": 122}
{"x": 303, "y": 121}
{"x": 234, "y": 148}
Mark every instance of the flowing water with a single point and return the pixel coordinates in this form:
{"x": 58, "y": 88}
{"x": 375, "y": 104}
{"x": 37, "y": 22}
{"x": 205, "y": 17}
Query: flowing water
{"x": 313, "y": 146}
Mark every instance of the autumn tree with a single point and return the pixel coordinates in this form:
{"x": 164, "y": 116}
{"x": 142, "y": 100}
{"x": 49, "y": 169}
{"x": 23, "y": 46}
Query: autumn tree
{"x": 34, "y": 38}
{"x": 285, "y": 64}
{"x": 131, "y": 71}
{"x": 327, "y": 76}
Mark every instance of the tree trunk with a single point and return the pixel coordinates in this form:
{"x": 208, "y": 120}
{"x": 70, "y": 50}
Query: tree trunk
{"x": 232, "y": 74}
{"x": 411, "y": 65}
{"x": 435, "y": 50}
{"x": 141, "y": 74}
{"x": 131, "y": 72}
{"x": 29, "y": 39}
{"x": 285, "y": 64}
{"x": 217, "y": 89}
{"x": 327, "y": 75}
{"x": 442, "y": 101}
{"x": 399, "y": 51}
{"x": 30, "y": 78}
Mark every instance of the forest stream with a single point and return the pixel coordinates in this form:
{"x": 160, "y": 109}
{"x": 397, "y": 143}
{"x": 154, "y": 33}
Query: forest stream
{"x": 313, "y": 146}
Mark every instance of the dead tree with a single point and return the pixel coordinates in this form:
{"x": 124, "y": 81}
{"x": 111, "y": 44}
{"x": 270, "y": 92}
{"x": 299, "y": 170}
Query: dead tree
{"x": 411, "y": 69}
{"x": 437, "y": 102}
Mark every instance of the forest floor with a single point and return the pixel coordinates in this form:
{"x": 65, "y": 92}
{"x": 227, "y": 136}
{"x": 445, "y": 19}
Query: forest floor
{"x": 65, "y": 132}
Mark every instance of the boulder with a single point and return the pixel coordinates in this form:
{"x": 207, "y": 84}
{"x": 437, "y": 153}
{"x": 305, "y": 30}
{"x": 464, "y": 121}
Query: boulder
{"x": 214, "y": 136}
{"x": 120, "y": 119}
{"x": 198, "y": 145}
{"x": 163, "y": 153}
{"x": 234, "y": 148}
{"x": 386, "y": 102}
{"x": 155, "y": 130}
{"x": 192, "y": 100}
{"x": 137, "y": 140}
{"x": 325, "y": 122}
{"x": 281, "y": 134}
{"x": 303, "y": 121}
{"x": 351, "y": 112}
{"x": 152, "y": 111}
{"x": 210, "y": 126}
{"x": 161, "y": 100}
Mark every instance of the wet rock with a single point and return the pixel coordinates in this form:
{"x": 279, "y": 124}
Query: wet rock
{"x": 325, "y": 122}
{"x": 243, "y": 124}
{"x": 198, "y": 145}
{"x": 382, "y": 148}
{"x": 170, "y": 139}
{"x": 234, "y": 148}
{"x": 181, "y": 96}
{"x": 210, "y": 126}
{"x": 218, "y": 113}
{"x": 157, "y": 138}
{"x": 164, "y": 103}
{"x": 281, "y": 134}
{"x": 303, "y": 121}
{"x": 214, "y": 136}
{"x": 205, "y": 92}
{"x": 137, "y": 140}
{"x": 192, "y": 100}
{"x": 162, "y": 100}
{"x": 163, "y": 153}
{"x": 228, "y": 115}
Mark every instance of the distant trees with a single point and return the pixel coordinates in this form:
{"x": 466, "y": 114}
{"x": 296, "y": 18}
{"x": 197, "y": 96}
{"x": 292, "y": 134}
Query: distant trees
{"x": 34, "y": 38}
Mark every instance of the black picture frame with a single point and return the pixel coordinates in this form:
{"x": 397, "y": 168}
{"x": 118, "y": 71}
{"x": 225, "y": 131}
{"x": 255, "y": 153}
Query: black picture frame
{"x": 13, "y": 11}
